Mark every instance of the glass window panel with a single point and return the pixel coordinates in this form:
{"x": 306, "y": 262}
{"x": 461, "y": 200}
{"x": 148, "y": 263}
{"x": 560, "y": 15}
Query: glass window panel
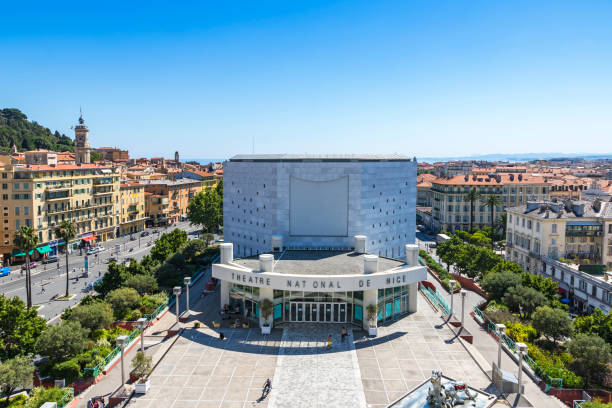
{"x": 278, "y": 311}
{"x": 388, "y": 309}
{"x": 397, "y": 308}
{"x": 388, "y": 292}
{"x": 358, "y": 315}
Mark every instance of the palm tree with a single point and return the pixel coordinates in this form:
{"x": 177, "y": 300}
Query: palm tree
{"x": 472, "y": 196}
{"x": 66, "y": 231}
{"x": 500, "y": 224}
{"x": 492, "y": 201}
{"x": 26, "y": 240}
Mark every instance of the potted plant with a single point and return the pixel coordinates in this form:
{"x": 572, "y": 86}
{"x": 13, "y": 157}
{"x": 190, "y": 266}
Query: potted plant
{"x": 141, "y": 365}
{"x": 266, "y": 311}
{"x": 372, "y": 311}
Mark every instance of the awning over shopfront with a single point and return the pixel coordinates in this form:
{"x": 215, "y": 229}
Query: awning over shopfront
{"x": 45, "y": 249}
{"x": 19, "y": 252}
{"x": 90, "y": 238}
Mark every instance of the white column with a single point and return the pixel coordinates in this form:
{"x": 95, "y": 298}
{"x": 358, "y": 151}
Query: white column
{"x": 370, "y": 297}
{"x": 463, "y": 296}
{"x": 413, "y": 290}
{"x": 266, "y": 293}
{"x": 522, "y": 349}
{"x": 412, "y": 254}
{"x": 224, "y": 293}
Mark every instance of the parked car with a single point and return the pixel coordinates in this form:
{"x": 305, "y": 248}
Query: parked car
{"x": 32, "y": 265}
{"x": 156, "y": 231}
{"x": 5, "y": 271}
{"x": 111, "y": 259}
{"x": 50, "y": 259}
{"x": 144, "y": 233}
{"x": 95, "y": 250}
{"x": 87, "y": 288}
{"x": 132, "y": 238}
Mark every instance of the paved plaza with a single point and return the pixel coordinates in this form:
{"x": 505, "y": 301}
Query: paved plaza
{"x": 406, "y": 351}
{"x": 200, "y": 370}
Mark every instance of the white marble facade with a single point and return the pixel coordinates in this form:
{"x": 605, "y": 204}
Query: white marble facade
{"x": 381, "y": 201}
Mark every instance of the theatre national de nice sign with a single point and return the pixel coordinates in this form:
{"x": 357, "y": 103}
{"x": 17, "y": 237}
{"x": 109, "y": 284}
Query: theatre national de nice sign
{"x": 400, "y": 276}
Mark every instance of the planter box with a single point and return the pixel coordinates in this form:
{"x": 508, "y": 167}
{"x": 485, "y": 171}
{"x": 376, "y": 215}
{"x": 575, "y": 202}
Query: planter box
{"x": 142, "y": 388}
{"x": 266, "y": 329}
{"x": 373, "y": 331}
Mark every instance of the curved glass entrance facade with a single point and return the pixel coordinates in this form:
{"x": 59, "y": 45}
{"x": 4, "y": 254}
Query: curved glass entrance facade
{"x": 322, "y": 307}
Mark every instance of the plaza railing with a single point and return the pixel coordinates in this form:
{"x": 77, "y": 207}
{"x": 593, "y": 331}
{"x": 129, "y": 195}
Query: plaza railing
{"x": 66, "y": 398}
{"x": 436, "y": 299}
{"x": 537, "y": 369}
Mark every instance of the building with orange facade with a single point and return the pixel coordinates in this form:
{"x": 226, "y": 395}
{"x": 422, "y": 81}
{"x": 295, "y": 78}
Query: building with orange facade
{"x": 167, "y": 200}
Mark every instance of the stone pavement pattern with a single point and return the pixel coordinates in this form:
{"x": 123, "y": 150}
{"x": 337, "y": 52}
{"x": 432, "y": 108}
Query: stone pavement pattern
{"x": 308, "y": 374}
{"x": 202, "y": 371}
{"x": 406, "y": 351}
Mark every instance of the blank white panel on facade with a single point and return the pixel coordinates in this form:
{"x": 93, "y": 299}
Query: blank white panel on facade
{"x": 318, "y": 208}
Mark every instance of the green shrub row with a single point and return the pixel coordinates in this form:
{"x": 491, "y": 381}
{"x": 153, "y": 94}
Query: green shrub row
{"x": 442, "y": 273}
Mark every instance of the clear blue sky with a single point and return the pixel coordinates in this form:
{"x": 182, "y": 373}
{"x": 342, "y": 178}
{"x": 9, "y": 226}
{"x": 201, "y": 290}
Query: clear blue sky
{"x": 430, "y": 78}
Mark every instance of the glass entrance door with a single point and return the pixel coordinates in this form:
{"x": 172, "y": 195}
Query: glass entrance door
{"x": 318, "y": 312}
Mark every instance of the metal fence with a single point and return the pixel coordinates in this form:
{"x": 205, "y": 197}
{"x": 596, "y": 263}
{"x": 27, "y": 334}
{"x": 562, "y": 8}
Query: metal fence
{"x": 66, "y": 398}
{"x": 436, "y": 299}
{"x": 537, "y": 369}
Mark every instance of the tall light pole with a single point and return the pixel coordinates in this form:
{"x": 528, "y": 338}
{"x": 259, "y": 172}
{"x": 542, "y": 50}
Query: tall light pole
{"x": 177, "y": 294}
{"x": 122, "y": 341}
{"x": 142, "y": 324}
{"x": 522, "y": 349}
{"x": 187, "y": 281}
{"x": 452, "y": 283}
{"x": 501, "y": 330}
{"x": 463, "y": 296}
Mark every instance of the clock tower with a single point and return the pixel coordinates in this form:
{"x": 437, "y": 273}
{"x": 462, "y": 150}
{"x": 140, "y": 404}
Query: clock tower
{"x": 82, "y": 149}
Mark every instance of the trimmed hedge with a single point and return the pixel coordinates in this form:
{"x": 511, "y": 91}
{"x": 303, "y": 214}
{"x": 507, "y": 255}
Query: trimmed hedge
{"x": 442, "y": 273}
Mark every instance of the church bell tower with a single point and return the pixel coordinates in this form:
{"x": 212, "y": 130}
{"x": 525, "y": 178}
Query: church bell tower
{"x": 82, "y": 149}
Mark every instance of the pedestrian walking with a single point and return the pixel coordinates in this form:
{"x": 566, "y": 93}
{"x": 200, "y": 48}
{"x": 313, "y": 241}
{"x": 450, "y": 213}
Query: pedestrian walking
{"x": 266, "y": 389}
{"x": 343, "y": 332}
{"x": 329, "y": 342}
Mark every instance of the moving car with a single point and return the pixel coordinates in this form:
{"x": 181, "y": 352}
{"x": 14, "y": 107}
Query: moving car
{"x": 5, "y": 271}
{"x": 111, "y": 259}
{"x": 32, "y": 265}
{"x": 50, "y": 259}
{"x": 144, "y": 233}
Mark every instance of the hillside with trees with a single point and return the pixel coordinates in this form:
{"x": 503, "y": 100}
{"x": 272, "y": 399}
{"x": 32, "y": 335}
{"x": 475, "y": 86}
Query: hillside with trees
{"x": 15, "y": 128}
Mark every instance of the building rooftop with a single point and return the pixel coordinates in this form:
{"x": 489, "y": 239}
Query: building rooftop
{"x": 319, "y": 157}
{"x": 38, "y": 167}
{"x": 318, "y": 262}
{"x": 493, "y": 180}
{"x": 171, "y": 182}
{"x": 565, "y": 209}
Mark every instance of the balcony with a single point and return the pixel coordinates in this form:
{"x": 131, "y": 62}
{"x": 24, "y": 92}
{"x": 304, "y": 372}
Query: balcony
{"x": 103, "y": 181}
{"x": 56, "y": 196}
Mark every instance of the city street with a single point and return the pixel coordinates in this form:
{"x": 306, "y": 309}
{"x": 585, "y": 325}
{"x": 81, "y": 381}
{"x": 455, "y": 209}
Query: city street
{"x": 49, "y": 281}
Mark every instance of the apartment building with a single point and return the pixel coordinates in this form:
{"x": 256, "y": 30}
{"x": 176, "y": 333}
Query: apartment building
{"x": 166, "y": 200}
{"x": 451, "y": 210}
{"x": 133, "y": 205}
{"x": 42, "y": 196}
{"x": 569, "y": 241}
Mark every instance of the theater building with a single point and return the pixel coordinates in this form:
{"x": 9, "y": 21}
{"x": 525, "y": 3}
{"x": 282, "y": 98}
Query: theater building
{"x": 322, "y": 237}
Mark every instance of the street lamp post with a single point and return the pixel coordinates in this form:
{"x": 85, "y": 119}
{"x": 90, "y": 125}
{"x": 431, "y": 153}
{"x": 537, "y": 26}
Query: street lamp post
{"x": 522, "y": 350}
{"x": 187, "y": 281}
{"x": 177, "y": 294}
{"x": 142, "y": 324}
{"x": 463, "y": 296}
{"x": 452, "y": 283}
{"x": 501, "y": 330}
{"x": 122, "y": 341}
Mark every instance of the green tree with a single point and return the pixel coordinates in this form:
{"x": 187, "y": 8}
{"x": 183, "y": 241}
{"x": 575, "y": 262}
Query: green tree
{"x": 26, "y": 240}
{"x": 15, "y": 129}
{"x": 596, "y": 323}
{"x": 554, "y": 324}
{"x": 168, "y": 244}
{"x": 492, "y": 201}
{"x": 19, "y": 328}
{"x": 546, "y": 286}
{"x": 500, "y": 224}
{"x": 62, "y": 342}
{"x": 40, "y": 395}
{"x": 95, "y": 156}
{"x": 115, "y": 277}
{"x": 524, "y": 301}
{"x": 94, "y": 316}
{"x": 448, "y": 251}
{"x": 66, "y": 231}
{"x": 143, "y": 284}
{"x": 15, "y": 373}
{"x": 592, "y": 356}
{"x": 472, "y": 196}
{"x": 206, "y": 209}
{"x": 123, "y": 300}
{"x": 509, "y": 266}
{"x": 497, "y": 284}
{"x": 193, "y": 248}
{"x": 483, "y": 261}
